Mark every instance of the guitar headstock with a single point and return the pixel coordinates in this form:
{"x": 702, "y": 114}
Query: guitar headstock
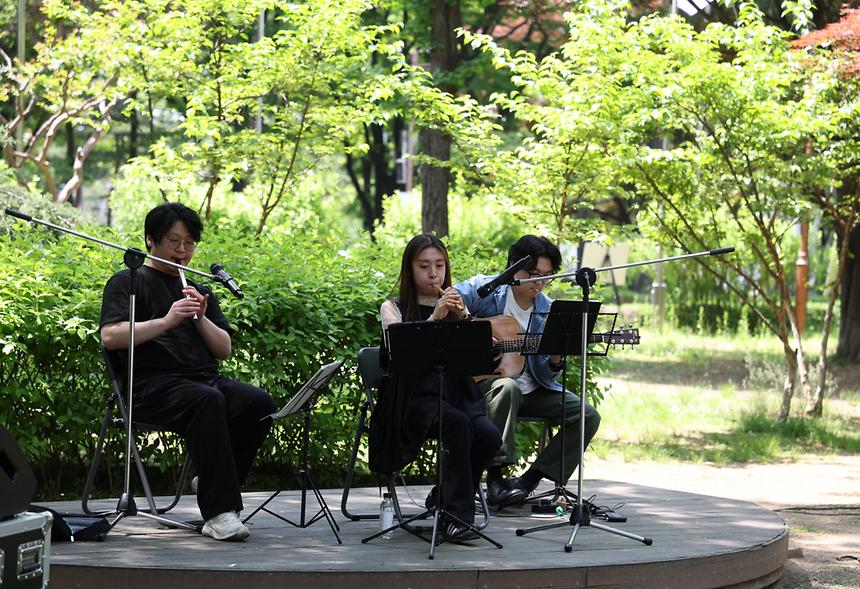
{"x": 627, "y": 336}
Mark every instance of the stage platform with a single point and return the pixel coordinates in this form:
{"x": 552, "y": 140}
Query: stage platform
{"x": 699, "y": 542}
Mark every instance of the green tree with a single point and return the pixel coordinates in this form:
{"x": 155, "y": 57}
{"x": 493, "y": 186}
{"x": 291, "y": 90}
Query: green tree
{"x": 740, "y": 167}
{"x": 75, "y": 78}
{"x": 735, "y": 100}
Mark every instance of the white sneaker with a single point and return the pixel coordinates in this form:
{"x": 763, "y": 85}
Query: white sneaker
{"x": 225, "y": 526}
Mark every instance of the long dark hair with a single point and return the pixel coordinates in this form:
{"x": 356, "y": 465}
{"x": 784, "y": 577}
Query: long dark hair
{"x": 408, "y": 298}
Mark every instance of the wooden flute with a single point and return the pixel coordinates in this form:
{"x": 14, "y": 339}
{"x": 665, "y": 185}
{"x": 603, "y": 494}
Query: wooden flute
{"x": 442, "y": 292}
{"x": 184, "y": 284}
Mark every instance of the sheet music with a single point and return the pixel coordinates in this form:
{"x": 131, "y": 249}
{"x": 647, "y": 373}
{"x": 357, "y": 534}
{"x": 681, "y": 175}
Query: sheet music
{"x": 321, "y": 378}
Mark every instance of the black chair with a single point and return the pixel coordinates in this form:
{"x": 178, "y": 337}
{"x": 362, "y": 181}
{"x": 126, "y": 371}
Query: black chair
{"x": 371, "y": 377}
{"x": 371, "y": 373}
{"x": 115, "y": 416}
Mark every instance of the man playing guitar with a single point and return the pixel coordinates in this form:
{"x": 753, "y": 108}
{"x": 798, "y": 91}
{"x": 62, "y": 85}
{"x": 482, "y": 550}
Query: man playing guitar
{"x": 529, "y": 387}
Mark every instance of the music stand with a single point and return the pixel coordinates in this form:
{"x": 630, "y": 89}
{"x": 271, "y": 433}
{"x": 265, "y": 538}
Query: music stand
{"x": 304, "y": 401}
{"x": 575, "y": 316}
{"x": 561, "y": 336}
{"x": 439, "y": 347}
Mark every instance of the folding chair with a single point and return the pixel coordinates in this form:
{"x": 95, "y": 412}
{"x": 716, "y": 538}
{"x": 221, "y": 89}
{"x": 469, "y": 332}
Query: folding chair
{"x": 115, "y": 404}
{"x": 371, "y": 377}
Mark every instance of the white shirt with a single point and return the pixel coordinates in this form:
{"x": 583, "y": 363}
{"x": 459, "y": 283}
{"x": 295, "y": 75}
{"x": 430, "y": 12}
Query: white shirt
{"x": 525, "y": 381}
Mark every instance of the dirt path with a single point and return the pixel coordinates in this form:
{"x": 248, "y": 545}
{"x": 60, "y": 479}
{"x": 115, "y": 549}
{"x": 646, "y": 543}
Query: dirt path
{"x": 819, "y": 498}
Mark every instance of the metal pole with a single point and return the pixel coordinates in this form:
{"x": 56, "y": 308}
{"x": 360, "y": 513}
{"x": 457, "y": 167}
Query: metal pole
{"x": 801, "y": 277}
{"x": 261, "y": 32}
{"x": 658, "y": 293}
{"x": 658, "y": 287}
{"x": 22, "y": 31}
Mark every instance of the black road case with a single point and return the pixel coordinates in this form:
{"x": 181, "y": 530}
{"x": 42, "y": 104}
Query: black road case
{"x": 25, "y": 547}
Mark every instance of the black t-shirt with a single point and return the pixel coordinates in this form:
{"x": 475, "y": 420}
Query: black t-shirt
{"x": 180, "y": 350}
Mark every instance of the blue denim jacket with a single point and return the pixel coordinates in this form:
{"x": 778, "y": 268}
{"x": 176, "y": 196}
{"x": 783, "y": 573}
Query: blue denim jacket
{"x": 494, "y": 304}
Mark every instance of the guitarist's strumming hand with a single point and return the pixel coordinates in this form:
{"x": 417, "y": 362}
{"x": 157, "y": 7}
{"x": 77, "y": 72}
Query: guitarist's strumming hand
{"x": 449, "y": 303}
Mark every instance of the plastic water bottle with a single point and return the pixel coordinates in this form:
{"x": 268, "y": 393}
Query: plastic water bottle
{"x": 386, "y": 515}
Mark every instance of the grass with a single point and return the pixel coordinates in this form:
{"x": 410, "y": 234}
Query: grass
{"x": 715, "y": 399}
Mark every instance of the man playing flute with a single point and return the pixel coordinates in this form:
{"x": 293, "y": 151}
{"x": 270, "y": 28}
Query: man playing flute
{"x": 180, "y": 335}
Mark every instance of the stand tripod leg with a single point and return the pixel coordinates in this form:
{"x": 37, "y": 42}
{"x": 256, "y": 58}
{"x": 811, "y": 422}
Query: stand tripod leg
{"x": 617, "y": 532}
{"x": 307, "y": 483}
{"x": 126, "y": 507}
{"x": 324, "y": 510}
{"x": 262, "y": 507}
{"x": 581, "y": 518}
{"x": 524, "y": 531}
{"x": 474, "y": 529}
{"x": 569, "y": 546}
{"x": 437, "y": 516}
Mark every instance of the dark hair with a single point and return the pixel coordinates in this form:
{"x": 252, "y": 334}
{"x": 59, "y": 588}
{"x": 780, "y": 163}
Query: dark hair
{"x": 160, "y": 219}
{"x": 536, "y": 247}
{"x": 407, "y": 297}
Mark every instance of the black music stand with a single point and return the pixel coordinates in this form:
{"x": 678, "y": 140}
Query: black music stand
{"x": 442, "y": 348}
{"x": 574, "y": 319}
{"x": 304, "y": 401}
{"x": 561, "y": 335}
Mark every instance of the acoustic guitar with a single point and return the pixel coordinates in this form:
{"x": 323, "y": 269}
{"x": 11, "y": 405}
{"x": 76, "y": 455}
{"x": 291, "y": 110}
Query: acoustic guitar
{"x": 511, "y": 344}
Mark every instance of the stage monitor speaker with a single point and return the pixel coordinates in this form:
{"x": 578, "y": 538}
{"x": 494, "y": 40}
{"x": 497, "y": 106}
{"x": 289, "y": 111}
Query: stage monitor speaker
{"x": 17, "y": 482}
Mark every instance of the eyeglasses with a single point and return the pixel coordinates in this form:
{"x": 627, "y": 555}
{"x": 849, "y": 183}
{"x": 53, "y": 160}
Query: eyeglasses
{"x": 541, "y": 277}
{"x": 174, "y": 242}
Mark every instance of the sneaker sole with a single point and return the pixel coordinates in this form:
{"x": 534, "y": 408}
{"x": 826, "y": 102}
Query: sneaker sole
{"x": 236, "y": 537}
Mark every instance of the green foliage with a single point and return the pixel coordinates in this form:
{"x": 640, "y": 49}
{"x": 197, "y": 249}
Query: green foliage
{"x": 559, "y": 169}
{"x": 51, "y": 378}
{"x": 306, "y": 304}
{"x": 15, "y": 198}
{"x": 476, "y": 223}
{"x": 690, "y": 397}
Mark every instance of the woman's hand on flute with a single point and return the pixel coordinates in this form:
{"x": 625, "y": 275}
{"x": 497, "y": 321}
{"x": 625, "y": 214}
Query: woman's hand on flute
{"x": 449, "y": 302}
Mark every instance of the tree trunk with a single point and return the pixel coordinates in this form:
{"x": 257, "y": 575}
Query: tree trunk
{"x": 444, "y": 57}
{"x": 849, "y": 301}
{"x": 372, "y": 175}
{"x": 71, "y": 145}
{"x": 434, "y": 182}
{"x": 133, "y": 133}
{"x": 815, "y": 403}
{"x": 788, "y": 385}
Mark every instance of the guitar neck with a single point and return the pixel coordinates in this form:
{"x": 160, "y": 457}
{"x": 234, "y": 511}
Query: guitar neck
{"x": 530, "y": 343}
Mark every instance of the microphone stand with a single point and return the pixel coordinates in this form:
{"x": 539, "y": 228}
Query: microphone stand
{"x": 586, "y": 278}
{"x": 133, "y": 259}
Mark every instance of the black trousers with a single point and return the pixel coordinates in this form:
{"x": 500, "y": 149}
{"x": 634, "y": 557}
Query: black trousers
{"x": 219, "y": 419}
{"x": 469, "y": 444}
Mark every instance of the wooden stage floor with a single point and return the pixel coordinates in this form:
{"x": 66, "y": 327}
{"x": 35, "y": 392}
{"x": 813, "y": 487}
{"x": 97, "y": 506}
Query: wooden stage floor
{"x": 699, "y": 542}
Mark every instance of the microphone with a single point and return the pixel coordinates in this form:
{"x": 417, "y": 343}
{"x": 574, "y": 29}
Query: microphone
{"x": 505, "y": 277}
{"x": 722, "y": 250}
{"x": 227, "y": 280}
